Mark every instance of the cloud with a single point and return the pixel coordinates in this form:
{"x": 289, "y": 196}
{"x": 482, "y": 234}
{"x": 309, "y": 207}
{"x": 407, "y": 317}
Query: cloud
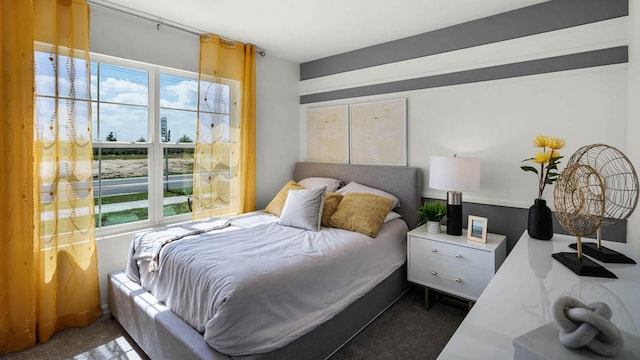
{"x": 123, "y": 91}
{"x": 182, "y": 95}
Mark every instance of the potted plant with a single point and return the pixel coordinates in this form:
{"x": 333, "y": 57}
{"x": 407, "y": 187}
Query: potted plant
{"x": 431, "y": 213}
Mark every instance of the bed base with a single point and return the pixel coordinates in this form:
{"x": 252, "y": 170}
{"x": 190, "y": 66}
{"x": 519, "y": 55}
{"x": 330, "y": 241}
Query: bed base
{"x": 163, "y": 335}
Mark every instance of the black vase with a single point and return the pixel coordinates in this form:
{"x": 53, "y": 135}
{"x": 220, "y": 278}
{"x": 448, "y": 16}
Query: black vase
{"x": 540, "y": 225}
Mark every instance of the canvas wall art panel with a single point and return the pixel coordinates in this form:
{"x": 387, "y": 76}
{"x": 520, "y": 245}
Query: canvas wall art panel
{"x": 379, "y": 133}
{"x": 328, "y": 134}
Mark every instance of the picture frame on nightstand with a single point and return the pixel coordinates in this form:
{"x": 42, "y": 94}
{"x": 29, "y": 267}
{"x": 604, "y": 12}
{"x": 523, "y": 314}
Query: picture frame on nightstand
{"x": 477, "y": 229}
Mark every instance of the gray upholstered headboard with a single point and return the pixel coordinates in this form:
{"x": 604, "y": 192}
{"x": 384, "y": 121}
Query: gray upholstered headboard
{"x": 403, "y": 182}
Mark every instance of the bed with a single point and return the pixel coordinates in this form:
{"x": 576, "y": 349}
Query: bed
{"x": 164, "y": 335}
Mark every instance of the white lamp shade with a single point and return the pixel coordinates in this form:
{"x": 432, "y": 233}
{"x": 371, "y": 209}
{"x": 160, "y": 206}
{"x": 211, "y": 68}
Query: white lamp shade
{"x": 454, "y": 173}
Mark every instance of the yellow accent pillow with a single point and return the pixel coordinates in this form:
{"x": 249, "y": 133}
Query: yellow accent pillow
{"x": 331, "y": 201}
{"x": 276, "y": 205}
{"x": 361, "y": 212}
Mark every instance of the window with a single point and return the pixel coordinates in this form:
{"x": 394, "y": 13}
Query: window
{"x": 144, "y": 131}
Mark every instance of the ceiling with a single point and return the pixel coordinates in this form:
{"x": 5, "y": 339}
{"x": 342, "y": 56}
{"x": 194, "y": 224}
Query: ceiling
{"x": 305, "y": 30}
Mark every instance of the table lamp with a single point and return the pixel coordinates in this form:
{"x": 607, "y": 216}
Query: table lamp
{"x": 454, "y": 174}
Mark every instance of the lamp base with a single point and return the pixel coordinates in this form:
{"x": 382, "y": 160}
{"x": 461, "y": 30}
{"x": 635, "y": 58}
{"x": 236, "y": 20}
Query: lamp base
{"x": 454, "y": 219}
{"x": 584, "y": 266}
{"x": 603, "y": 254}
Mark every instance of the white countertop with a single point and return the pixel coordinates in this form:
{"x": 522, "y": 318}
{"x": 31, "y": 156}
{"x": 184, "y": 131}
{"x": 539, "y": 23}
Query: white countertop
{"x": 519, "y": 297}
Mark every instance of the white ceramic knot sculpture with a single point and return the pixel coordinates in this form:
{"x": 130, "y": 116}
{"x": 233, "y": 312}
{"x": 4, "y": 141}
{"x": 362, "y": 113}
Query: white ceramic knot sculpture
{"x": 587, "y": 325}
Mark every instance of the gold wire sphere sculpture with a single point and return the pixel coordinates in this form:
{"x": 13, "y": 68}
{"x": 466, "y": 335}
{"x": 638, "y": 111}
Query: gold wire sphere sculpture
{"x": 598, "y": 187}
{"x": 618, "y": 176}
{"x": 579, "y": 200}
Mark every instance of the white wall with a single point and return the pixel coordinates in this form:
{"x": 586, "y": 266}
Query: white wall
{"x": 497, "y": 120}
{"x": 132, "y": 38}
{"x": 633, "y": 232}
{"x": 277, "y": 126}
{"x": 276, "y": 108}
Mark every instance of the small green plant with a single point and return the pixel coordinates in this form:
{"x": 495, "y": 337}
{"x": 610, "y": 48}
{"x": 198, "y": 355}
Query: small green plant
{"x": 432, "y": 211}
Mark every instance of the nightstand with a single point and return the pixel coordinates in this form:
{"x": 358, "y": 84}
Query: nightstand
{"x": 453, "y": 264}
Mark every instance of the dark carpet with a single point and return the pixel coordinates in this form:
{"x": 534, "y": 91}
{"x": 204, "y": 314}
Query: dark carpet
{"x": 404, "y": 331}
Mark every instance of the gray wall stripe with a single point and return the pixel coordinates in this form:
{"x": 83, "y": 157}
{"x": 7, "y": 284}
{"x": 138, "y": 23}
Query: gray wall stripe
{"x": 544, "y": 17}
{"x": 615, "y": 55}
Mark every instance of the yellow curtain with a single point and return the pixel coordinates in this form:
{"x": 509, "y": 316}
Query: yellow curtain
{"x": 17, "y": 263}
{"x": 224, "y": 170}
{"x": 49, "y": 271}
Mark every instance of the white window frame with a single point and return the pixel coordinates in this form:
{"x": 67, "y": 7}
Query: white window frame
{"x": 154, "y": 148}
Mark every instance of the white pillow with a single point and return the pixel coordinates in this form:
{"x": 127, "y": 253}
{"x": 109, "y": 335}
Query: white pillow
{"x": 314, "y": 182}
{"x": 354, "y": 187}
{"x": 303, "y": 208}
{"x": 392, "y": 215}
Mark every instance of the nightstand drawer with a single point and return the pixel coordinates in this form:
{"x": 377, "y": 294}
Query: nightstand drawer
{"x": 460, "y": 280}
{"x": 455, "y": 254}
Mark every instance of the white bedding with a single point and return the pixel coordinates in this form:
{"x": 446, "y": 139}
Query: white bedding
{"x": 256, "y": 286}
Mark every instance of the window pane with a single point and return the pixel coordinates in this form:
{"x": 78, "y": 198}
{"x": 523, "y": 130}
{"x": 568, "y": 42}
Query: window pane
{"x": 95, "y": 130}
{"x": 214, "y": 97}
{"x": 178, "y": 92}
{"x": 121, "y": 185}
{"x": 124, "y": 123}
{"x": 214, "y": 128}
{"x": 94, "y": 80}
{"x": 123, "y": 85}
{"x": 214, "y": 177}
{"x": 45, "y": 76}
{"x": 53, "y": 124}
{"x": 177, "y": 180}
{"x": 177, "y": 126}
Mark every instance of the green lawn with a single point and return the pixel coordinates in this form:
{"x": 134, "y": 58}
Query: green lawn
{"x": 131, "y": 215}
{"x": 116, "y": 199}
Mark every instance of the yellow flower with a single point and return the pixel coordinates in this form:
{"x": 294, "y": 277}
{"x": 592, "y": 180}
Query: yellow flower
{"x": 542, "y": 157}
{"x": 540, "y": 141}
{"x": 555, "y": 143}
{"x": 548, "y": 157}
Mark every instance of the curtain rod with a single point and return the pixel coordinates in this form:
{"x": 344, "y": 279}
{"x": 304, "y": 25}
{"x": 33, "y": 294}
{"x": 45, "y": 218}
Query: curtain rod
{"x": 157, "y": 20}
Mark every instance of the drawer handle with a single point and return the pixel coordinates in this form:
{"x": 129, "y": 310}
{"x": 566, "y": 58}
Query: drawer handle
{"x": 459, "y": 256}
{"x": 456, "y": 279}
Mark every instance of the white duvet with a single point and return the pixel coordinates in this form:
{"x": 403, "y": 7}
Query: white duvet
{"x": 257, "y": 286}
